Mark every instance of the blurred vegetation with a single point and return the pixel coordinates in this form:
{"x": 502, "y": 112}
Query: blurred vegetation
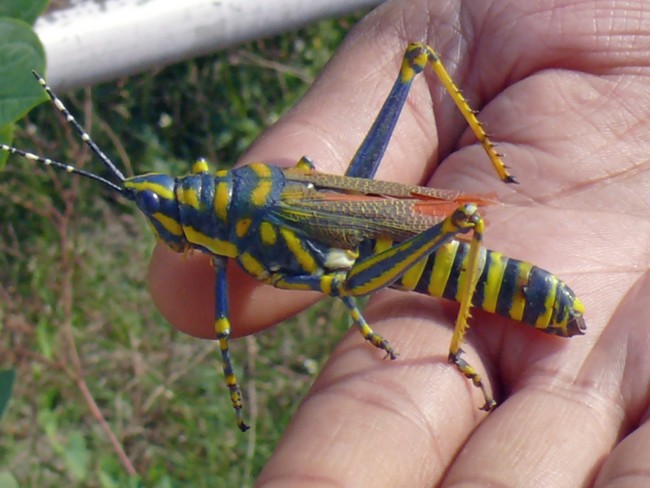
{"x": 66, "y": 280}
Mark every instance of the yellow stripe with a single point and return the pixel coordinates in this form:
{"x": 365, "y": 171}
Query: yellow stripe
{"x": 268, "y": 234}
{"x": 326, "y": 285}
{"x": 253, "y": 266}
{"x": 222, "y": 200}
{"x": 188, "y": 196}
{"x": 358, "y": 318}
{"x": 382, "y": 244}
{"x": 448, "y": 226}
{"x": 261, "y": 192}
{"x": 217, "y": 246}
{"x": 462, "y": 289}
{"x": 171, "y": 225}
{"x": 407, "y": 73}
{"x": 222, "y": 326}
{"x": 242, "y": 226}
{"x": 160, "y": 190}
{"x": 518, "y": 304}
{"x": 388, "y": 274}
{"x": 442, "y": 267}
{"x": 294, "y": 244}
{"x": 261, "y": 170}
{"x": 492, "y": 286}
{"x": 413, "y": 275}
{"x": 292, "y": 286}
{"x": 373, "y": 260}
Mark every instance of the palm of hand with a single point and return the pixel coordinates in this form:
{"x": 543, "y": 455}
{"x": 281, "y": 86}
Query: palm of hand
{"x": 570, "y": 109}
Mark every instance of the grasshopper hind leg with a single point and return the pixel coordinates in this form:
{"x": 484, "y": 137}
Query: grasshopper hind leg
{"x": 467, "y": 289}
{"x": 470, "y": 373}
{"x": 416, "y": 59}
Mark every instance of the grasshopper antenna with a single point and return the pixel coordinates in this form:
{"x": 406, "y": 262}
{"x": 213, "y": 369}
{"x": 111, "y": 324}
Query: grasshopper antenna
{"x": 112, "y": 168}
{"x": 78, "y": 129}
{"x": 63, "y": 166}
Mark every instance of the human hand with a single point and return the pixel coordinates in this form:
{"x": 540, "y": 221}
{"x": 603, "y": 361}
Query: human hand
{"x": 562, "y": 87}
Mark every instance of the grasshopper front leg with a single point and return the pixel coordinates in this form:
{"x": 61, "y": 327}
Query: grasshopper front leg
{"x": 222, "y": 329}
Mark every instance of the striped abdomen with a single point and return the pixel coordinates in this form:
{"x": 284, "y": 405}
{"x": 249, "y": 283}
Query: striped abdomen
{"x": 506, "y": 286}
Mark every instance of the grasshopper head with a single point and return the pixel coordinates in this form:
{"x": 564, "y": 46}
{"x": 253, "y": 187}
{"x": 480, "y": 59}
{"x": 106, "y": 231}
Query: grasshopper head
{"x": 154, "y": 194}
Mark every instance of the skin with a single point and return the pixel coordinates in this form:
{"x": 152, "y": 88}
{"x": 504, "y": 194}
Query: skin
{"x": 563, "y": 87}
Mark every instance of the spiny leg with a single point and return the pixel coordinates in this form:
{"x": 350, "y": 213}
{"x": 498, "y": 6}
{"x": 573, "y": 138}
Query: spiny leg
{"x": 383, "y": 269}
{"x": 460, "y": 101}
{"x": 368, "y": 157}
{"x": 467, "y": 288}
{"x": 222, "y": 328}
{"x": 366, "y": 331}
{"x": 331, "y": 284}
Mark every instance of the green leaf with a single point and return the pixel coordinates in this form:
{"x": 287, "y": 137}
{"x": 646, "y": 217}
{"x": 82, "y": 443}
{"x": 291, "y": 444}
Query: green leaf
{"x": 7, "y": 378}
{"x": 76, "y": 456}
{"x": 7, "y": 480}
{"x": 25, "y": 10}
{"x": 20, "y": 53}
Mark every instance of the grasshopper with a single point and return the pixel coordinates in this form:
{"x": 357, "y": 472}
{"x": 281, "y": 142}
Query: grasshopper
{"x": 344, "y": 236}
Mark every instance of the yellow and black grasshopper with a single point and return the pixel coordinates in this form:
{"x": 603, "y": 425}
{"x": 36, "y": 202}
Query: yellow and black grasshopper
{"x": 345, "y": 236}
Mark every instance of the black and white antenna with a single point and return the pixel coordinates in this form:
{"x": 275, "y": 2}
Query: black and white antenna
{"x": 118, "y": 187}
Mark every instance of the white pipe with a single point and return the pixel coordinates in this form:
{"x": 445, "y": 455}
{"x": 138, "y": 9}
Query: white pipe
{"x": 100, "y": 41}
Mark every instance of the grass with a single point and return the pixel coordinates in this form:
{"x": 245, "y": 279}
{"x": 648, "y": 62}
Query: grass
{"x": 76, "y": 320}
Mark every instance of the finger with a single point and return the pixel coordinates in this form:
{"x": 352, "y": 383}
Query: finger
{"x": 627, "y": 465}
{"x": 183, "y": 289}
{"x": 622, "y": 357}
{"x": 569, "y": 409}
{"x": 382, "y": 423}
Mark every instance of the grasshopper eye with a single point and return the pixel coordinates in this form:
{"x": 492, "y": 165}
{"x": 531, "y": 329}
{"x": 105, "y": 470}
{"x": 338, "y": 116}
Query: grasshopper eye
{"x": 148, "y": 202}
